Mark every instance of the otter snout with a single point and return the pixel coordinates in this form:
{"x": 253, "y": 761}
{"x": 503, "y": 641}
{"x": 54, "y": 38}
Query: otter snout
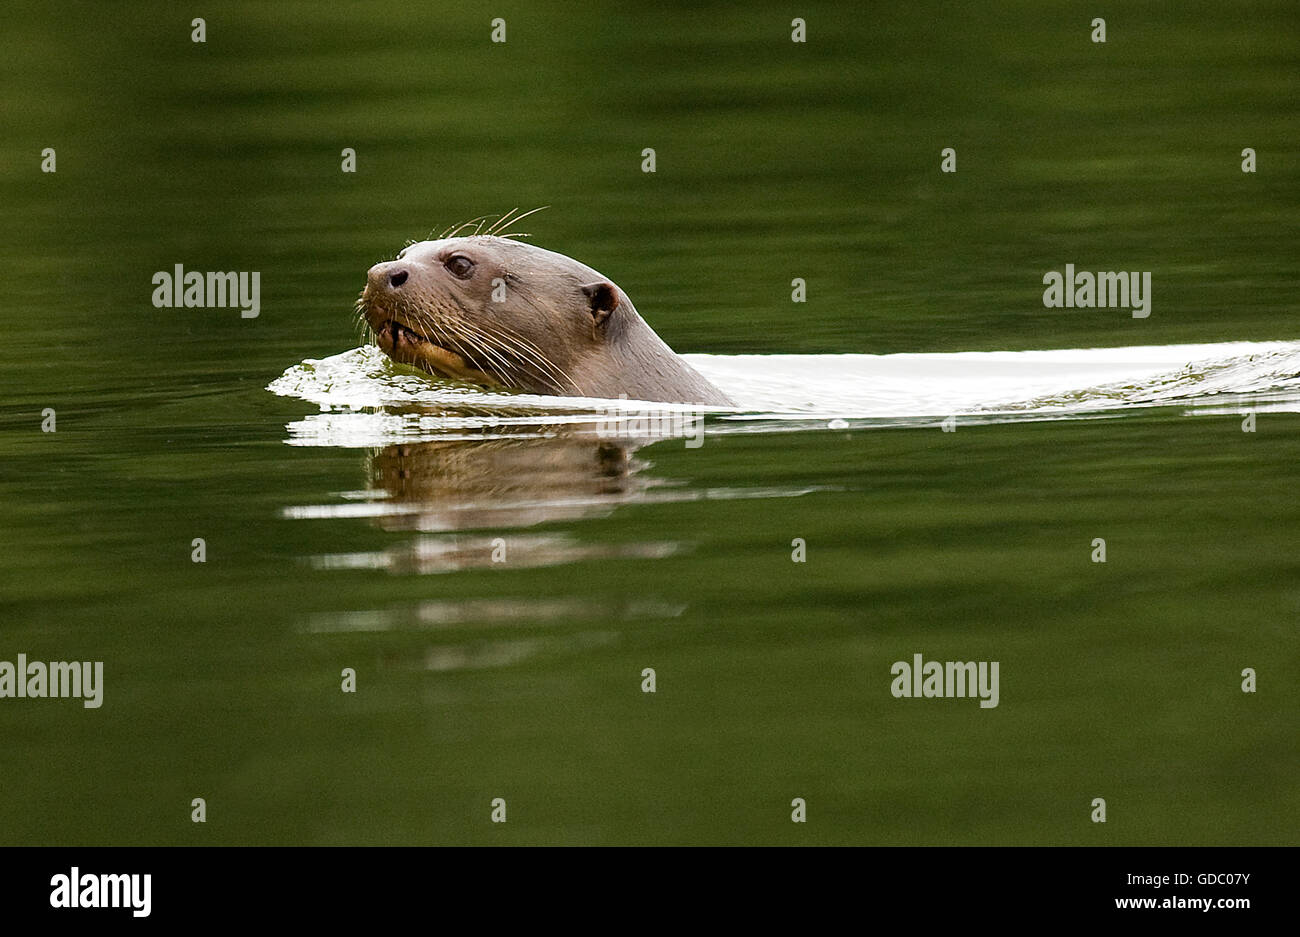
{"x": 390, "y": 275}
{"x": 385, "y": 283}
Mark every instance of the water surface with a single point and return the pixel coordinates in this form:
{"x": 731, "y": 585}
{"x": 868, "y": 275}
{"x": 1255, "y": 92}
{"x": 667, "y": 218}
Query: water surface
{"x": 353, "y": 522}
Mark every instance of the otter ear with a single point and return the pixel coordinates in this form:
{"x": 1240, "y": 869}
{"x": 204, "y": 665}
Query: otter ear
{"x": 604, "y": 299}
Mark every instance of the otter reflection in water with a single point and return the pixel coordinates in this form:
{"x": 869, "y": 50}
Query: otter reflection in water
{"x": 481, "y": 493}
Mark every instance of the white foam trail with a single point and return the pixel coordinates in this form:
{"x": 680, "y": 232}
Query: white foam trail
{"x": 916, "y": 385}
{"x": 359, "y": 390}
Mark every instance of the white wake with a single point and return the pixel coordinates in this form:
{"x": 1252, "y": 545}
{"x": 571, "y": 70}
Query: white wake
{"x": 364, "y": 399}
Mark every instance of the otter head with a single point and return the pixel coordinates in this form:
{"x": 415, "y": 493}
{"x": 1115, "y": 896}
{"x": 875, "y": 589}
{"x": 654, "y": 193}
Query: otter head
{"x": 492, "y": 311}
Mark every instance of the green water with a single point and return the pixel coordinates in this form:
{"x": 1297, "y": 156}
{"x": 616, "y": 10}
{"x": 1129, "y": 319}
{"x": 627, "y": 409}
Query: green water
{"x": 775, "y": 160}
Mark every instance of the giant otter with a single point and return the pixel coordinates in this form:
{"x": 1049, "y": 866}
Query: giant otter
{"x": 502, "y": 313}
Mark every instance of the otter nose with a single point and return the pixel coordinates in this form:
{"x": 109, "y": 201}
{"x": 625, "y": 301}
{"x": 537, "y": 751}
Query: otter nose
{"x": 388, "y": 275}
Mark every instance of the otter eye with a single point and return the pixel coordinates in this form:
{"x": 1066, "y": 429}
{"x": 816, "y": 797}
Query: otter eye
{"x": 459, "y": 266}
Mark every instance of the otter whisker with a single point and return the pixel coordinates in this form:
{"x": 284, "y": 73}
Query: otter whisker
{"x": 494, "y": 355}
{"x": 528, "y": 353}
{"x": 521, "y": 344}
{"x": 464, "y": 324}
{"x": 361, "y": 324}
{"x": 455, "y": 326}
{"x": 514, "y": 221}
{"x": 483, "y": 343}
{"x": 456, "y": 229}
{"x": 534, "y": 355}
{"x": 447, "y": 334}
{"x": 496, "y": 364}
{"x": 502, "y": 221}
